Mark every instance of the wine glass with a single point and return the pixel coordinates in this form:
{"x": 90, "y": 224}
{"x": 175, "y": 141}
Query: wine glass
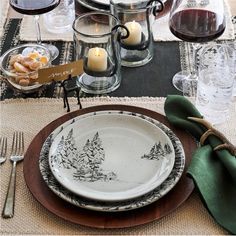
{"x": 195, "y": 21}
{"x": 34, "y": 7}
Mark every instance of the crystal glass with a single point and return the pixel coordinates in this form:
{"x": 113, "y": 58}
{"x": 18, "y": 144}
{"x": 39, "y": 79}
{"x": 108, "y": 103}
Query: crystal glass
{"x": 215, "y": 82}
{"x": 138, "y": 16}
{"x": 61, "y": 18}
{"x": 96, "y": 39}
{"x": 36, "y": 8}
{"x": 195, "y": 21}
{"x": 232, "y": 45}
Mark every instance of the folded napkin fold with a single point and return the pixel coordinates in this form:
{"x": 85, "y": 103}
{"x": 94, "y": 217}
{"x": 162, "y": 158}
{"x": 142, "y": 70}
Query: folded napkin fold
{"x": 213, "y": 172}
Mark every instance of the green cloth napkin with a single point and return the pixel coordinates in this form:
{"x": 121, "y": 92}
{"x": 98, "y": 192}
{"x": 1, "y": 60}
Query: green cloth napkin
{"x": 213, "y": 172}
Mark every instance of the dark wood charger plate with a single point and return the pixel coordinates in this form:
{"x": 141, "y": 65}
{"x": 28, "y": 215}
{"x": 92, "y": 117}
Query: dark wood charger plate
{"x": 77, "y": 215}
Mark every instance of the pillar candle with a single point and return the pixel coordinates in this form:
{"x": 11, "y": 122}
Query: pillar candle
{"x": 135, "y": 33}
{"x": 97, "y": 59}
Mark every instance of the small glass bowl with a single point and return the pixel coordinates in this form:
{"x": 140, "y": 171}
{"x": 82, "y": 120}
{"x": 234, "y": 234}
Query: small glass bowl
{"x": 12, "y": 76}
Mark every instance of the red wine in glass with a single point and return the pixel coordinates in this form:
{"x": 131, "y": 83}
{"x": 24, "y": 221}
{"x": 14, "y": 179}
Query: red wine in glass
{"x": 195, "y": 21}
{"x": 196, "y": 25}
{"x": 37, "y": 7}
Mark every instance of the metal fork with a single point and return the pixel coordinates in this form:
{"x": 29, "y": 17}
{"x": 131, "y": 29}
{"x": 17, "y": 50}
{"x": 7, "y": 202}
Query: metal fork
{"x": 17, "y": 152}
{"x": 3, "y": 146}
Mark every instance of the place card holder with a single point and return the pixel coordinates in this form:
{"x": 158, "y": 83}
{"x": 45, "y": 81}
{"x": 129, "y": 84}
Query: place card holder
{"x": 63, "y": 74}
{"x": 66, "y": 90}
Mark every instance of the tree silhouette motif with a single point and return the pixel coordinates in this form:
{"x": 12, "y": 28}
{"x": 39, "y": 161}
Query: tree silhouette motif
{"x": 155, "y": 153}
{"x": 167, "y": 149}
{"x": 67, "y": 154}
{"x": 96, "y": 154}
{"x": 87, "y": 162}
{"x": 90, "y": 158}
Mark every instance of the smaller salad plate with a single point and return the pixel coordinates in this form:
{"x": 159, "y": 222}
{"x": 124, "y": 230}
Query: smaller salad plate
{"x": 111, "y": 156}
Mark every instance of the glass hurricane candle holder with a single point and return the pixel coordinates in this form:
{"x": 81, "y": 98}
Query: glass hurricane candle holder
{"x": 97, "y": 41}
{"x": 137, "y": 16}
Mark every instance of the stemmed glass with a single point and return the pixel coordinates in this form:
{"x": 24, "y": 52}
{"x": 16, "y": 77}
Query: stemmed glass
{"x": 195, "y": 21}
{"x": 37, "y": 7}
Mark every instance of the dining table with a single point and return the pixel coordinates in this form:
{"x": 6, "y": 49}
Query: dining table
{"x": 143, "y": 89}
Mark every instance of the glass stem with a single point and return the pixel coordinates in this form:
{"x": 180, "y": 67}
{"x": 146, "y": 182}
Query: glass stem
{"x": 38, "y": 33}
{"x": 194, "y": 67}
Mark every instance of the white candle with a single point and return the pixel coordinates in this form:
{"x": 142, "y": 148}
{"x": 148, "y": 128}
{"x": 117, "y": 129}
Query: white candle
{"x": 97, "y": 59}
{"x": 135, "y": 33}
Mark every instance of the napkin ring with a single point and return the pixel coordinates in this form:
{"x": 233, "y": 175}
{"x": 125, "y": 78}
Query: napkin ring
{"x": 212, "y": 131}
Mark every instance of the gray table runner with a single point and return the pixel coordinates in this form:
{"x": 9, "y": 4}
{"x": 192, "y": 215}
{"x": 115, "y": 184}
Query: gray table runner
{"x": 153, "y": 79}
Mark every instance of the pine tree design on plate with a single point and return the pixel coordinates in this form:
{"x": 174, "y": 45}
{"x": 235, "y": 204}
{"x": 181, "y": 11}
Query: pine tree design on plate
{"x": 86, "y": 162}
{"x": 158, "y": 151}
{"x": 67, "y": 153}
{"x": 91, "y": 158}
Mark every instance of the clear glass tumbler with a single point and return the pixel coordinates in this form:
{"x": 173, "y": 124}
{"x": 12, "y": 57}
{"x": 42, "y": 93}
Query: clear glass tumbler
{"x": 215, "y": 82}
{"x": 60, "y": 19}
{"x": 232, "y": 45}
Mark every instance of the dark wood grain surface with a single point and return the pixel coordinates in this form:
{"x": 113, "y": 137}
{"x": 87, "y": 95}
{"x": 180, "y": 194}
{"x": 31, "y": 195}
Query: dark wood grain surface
{"x": 77, "y": 215}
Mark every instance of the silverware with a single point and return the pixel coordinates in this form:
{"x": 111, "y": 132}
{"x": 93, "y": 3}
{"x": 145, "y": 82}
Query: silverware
{"x": 17, "y": 152}
{"x": 3, "y": 147}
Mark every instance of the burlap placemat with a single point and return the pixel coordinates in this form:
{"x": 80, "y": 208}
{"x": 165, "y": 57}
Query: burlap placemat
{"x": 28, "y": 31}
{"x": 4, "y": 6}
{"x": 161, "y": 30}
{"x": 31, "y": 115}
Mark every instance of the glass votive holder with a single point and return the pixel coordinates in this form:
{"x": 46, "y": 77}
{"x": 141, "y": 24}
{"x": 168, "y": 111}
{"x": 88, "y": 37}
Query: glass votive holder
{"x": 137, "y": 16}
{"x": 96, "y": 42}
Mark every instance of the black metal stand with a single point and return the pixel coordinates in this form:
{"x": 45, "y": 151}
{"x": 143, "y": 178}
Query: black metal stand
{"x": 66, "y": 90}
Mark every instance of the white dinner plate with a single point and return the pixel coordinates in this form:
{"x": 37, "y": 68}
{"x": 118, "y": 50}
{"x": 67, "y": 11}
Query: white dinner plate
{"x": 86, "y": 203}
{"x": 111, "y": 156}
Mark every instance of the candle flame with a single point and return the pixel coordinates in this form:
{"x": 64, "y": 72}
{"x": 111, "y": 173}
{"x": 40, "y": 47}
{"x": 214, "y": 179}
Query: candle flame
{"x": 97, "y": 52}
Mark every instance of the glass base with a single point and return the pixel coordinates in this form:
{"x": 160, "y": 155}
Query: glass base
{"x": 135, "y": 58}
{"x": 178, "y": 78}
{"x": 98, "y": 85}
{"x": 185, "y": 83}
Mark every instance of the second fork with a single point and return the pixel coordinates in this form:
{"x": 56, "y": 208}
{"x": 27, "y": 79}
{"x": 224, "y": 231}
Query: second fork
{"x": 17, "y": 152}
{"x": 3, "y": 147}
